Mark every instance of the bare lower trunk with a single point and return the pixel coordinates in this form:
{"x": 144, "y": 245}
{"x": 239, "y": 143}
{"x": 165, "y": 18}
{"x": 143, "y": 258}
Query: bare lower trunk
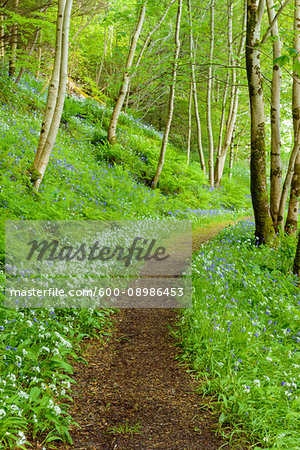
{"x": 171, "y": 99}
{"x": 58, "y": 87}
{"x": 13, "y": 44}
{"x": 2, "y": 39}
{"x": 54, "y": 83}
{"x": 222, "y": 122}
{"x": 296, "y": 268}
{"x": 111, "y": 135}
{"x": 231, "y": 156}
{"x": 293, "y": 211}
{"x": 194, "y": 90}
{"x": 208, "y": 99}
{"x": 292, "y": 216}
{"x": 263, "y": 222}
{"x": 189, "y": 123}
{"x": 233, "y": 108}
{"x": 275, "y": 173}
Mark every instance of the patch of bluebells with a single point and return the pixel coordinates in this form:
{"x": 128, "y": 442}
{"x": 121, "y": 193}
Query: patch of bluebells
{"x": 244, "y": 328}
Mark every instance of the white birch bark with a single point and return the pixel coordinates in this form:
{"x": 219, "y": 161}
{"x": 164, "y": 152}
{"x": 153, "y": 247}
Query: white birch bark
{"x": 2, "y": 38}
{"x": 111, "y": 135}
{"x": 189, "y": 123}
{"x": 54, "y": 82}
{"x": 208, "y": 99}
{"x": 233, "y": 108}
{"x": 171, "y": 98}
{"x": 194, "y": 87}
{"x": 275, "y": 172}
{"x": 222, "y": 122}
{"x": 41, "y": 163}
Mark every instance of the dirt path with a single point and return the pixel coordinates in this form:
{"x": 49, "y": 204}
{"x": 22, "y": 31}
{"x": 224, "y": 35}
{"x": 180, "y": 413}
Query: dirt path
{"x": 135, "y": 382}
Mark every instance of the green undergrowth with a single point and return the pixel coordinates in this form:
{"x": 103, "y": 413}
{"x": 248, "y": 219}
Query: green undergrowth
{"x": 242, "y": 335}
{"x": 86, "y": 179}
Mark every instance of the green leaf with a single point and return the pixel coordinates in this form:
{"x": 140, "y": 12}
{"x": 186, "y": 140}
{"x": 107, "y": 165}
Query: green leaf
{"x": 34, "y": 393}
{"x": 292, "y": 52}
{"x": 282, "y": 60}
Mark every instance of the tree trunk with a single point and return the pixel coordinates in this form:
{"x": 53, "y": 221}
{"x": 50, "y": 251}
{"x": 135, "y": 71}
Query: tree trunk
{"x": 13, "y": 44}
{"x": 296, "y": 268}
{"x": 171, "y": 98}
{"x": 292, "y": 216}
{"x": 209, "y": 91}
{"x": 233, "y": 108}
{"x": 231, "y": 155}
{"x": 194, "y": 88}
{"x": 2, "y": 39}
{"x": 111, "y": 135}
{"x": 229, "y": 39}
{"x": 263, "y": 222}
{"x": 56, "y": 93}
{"x": 189, "y": 123}
{"x": 275, "y": 173}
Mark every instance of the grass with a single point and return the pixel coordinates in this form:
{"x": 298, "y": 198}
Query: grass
{"x": 242, "y": 335}
{"x": 125, "y": 429}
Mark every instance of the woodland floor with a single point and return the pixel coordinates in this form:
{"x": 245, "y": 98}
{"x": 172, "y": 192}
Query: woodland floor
{"x": 135, "y": 379}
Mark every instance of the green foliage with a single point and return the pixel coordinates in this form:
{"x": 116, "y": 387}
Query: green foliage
{"x": 86, "y": 179}
{"x": 242, "y": 334}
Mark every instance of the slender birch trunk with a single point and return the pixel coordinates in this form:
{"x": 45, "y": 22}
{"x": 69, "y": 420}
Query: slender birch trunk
{"x": 208, "y": 100}
{"x": 231, "y": 155}
{"x": 171, "y": 98}
{"x": 13, "y": 44}
{"x": 263, "y": 222}
{"x": 233, "y": 108}
{"x": 2, "y": 38}
{"x": 190, "y": 123}
{"x": 275, "y": 173}
{"x": 292, "y": 216}
{"x": 56, "y": 93}
{"x": 194, "y": 88}
{"x": 229, "y": 39}
{"x": 291, "y": 175}
{"x": 111, "y": 135}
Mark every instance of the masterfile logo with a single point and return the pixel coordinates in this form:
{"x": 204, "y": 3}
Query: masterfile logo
{"x": 74, "y": 263}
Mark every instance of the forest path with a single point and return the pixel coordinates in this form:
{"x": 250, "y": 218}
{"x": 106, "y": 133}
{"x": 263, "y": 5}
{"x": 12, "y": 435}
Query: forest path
{"x": 134, "y": 380}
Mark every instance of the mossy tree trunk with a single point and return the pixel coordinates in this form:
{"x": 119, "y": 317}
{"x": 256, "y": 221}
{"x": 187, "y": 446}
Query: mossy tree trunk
{"x": 263, "y": 222}
{"x": 296, "y": 268}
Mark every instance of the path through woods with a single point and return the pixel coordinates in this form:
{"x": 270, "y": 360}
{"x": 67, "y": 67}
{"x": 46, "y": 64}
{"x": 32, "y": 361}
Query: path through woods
{"x": 135, "y": 379}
